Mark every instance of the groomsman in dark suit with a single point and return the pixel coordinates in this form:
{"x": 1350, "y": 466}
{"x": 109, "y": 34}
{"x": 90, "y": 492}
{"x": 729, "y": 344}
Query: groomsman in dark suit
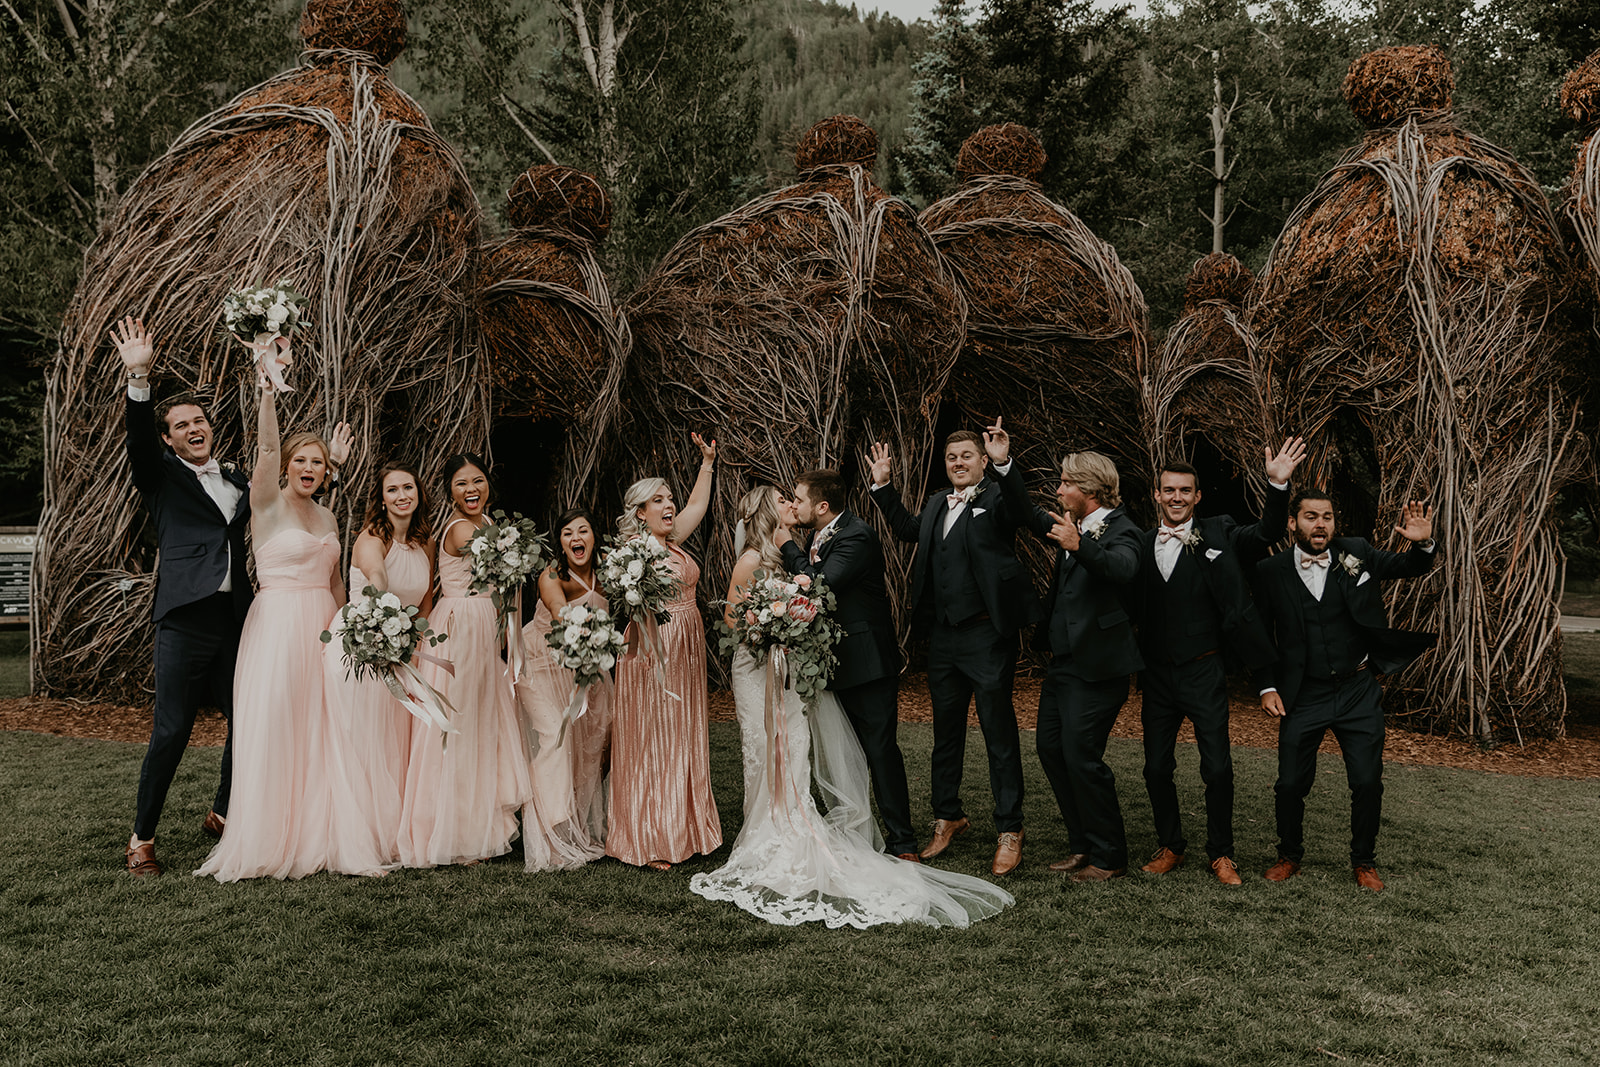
{"x": 970, "y": 595}
{"x": 846, "y": 554}
{"x": 1323, "y": 604}
{"x": 1089, "y": 635}
{"x": 1194, "y": 598}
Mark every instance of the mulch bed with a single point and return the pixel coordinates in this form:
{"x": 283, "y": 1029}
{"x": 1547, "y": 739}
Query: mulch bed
{"x": 1575, "y": 756}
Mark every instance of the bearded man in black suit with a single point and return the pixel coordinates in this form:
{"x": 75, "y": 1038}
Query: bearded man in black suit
{"x": 1323, "y": 604}
{"x": 970, "y": 595}
{"x": 846, "y": 554}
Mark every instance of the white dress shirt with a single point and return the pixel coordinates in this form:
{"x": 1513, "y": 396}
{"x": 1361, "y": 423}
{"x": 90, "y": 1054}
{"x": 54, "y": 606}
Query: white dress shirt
{"x": 222, "y": 492}
{"x": 1167, "y": 550}
{"x": 1315, "y": 576}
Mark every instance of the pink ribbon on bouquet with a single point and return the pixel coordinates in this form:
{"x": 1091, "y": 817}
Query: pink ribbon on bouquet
{"x": 419, "y": 698}
{"x": 650, "y": 638}
{"x": 578, "y": 706}
{"x": 272, "y": 359}
{"x": 516, "y": 660}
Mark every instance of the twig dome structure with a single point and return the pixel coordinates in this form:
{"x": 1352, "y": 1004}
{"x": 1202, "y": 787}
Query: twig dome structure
{"x": 1414, "y": 312}
{"x": 797, "y": 330}
{"x": 553, "y": 337}
{"x": 328, "y": 176}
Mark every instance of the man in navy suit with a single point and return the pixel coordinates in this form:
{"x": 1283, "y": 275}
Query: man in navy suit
{"x": 1323, "y": 604}
{"x": 970, "y": 595}
{"x": 1194, "y": 600}
{"x": 1089, "y": 635}
{"x": 200, "y": 511}
{"x": 846, "y": 554}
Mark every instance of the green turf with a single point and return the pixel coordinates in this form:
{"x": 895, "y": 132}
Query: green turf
{"x": 1481, "y": 951}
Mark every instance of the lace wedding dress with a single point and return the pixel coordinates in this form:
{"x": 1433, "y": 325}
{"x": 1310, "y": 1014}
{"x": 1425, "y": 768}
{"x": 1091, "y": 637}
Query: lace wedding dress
{"x": 791, "y": 864}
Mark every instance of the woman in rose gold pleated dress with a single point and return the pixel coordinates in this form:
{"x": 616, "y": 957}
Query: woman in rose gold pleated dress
{"x": 661, "y": 810}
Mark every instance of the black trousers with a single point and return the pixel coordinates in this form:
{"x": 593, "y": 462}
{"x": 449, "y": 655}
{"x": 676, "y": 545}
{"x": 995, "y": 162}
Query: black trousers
{"x": 196, "y": 646}
{"x": 1075, "y": 720}
{"x": 1197, "y": 691}
{"x": 873, "y": 709}
{"x": 1352, "y": 708}
{"x": 967, "y": 662}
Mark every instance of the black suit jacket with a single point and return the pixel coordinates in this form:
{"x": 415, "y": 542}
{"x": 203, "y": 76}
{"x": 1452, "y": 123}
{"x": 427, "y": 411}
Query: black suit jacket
{"x": 192, "y": 533}
{"x": 851, "y": 563}
{"x": 1225, "y": 554}
{"x": 1280, "y": 598}
{"x": 988, "y": 525}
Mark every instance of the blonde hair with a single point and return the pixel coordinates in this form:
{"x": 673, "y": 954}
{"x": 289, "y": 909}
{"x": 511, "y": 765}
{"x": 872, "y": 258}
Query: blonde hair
{"x": 1095, "y": 475}
{"x": 760, "y": 517}
{"x": 295, "y": 443}
{"x": 637, "y": 496}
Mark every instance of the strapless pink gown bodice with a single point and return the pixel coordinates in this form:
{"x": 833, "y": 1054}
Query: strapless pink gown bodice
{"x": 293, "y": 559}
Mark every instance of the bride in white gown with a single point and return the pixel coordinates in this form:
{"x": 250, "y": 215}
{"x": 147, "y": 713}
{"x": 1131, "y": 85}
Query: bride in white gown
{"x": 792, "y": 864}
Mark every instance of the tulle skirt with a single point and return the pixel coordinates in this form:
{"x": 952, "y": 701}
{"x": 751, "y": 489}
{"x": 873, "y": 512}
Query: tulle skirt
{"x": 561, "y": 828}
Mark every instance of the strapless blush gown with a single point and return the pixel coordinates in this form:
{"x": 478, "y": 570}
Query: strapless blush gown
{"x": 561, "y": 826}
{"x": 661, "y": 806}
{"x": 461, "y": 799}
{"x": 282, "y": 820}
{"x": 372, "y": 739}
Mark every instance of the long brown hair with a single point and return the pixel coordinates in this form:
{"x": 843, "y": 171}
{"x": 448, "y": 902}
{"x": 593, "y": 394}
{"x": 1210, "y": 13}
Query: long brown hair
{"x": 377, "y": 521}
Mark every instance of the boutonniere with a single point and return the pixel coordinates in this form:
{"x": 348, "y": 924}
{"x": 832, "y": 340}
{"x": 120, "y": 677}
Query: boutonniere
{"x": 1192, "y": 539}
{"x": 1095, "y": 529}
{"x": 1350, "y": 563}
{"x": 969, "y": 494}
{"x": 229, "y": 467}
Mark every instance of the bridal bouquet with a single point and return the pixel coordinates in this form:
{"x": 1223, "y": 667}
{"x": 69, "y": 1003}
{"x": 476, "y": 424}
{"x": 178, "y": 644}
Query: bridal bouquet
{"x": 786, "y": 621}
{"x": 637, "y": 577}
{"x": 587, "y": 642}
{"x": 380, "y": 636}
{"x": 505, "y": 553}
{"x": 262, "y": 319}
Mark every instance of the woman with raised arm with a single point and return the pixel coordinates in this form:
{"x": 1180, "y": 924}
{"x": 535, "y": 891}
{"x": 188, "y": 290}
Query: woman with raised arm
{"x": 563, "y": 826}
{"x": 463, "y": 789}
{"x": 283, "y": 822}
{"x": 393, "y": 554}
{"x": 661, "y": 810}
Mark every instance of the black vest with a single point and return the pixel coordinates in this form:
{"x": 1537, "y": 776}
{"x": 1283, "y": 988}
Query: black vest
{"x": 1183, "y": 621}
{"x": 956, "y": 597}
{"x": 1334, "y": 646}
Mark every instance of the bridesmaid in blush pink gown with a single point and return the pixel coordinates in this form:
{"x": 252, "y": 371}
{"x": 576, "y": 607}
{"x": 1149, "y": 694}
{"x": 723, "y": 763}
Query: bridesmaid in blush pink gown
{"x": 461, "y": 798}
{"x": 394, "y": 554}
{"x": 563, "y": 825}
{"x": 661, "y": 810}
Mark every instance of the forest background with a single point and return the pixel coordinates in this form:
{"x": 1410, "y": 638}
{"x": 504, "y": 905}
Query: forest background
{"x": 705, "y": 100}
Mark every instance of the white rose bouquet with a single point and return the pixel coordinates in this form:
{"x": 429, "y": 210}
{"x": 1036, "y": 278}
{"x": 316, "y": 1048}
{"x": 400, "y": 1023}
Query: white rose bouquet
{"x": 380, "y": 636}
{"x": 262, "y": 319}
{"x": 637, "y": 577}
{"x": 586, "y": 641}
{"x": 505, "y": 553}
{"x": 787, "y": 623}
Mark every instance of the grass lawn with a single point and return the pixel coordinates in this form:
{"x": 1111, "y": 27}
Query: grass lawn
{"x": 1481, "y": 951}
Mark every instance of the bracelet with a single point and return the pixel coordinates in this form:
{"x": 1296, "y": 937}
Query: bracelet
{"x": 138, "y": 376}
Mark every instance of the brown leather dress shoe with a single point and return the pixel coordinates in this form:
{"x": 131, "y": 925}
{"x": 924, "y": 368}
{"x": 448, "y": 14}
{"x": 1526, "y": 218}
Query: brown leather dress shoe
{"x": 142, "y": 861}
{"x": 909, "y": 857}
{"x": 1097, "y": 874}
{"x": 214, "y": 824}
{"x": 1163, "y": 862}
{"x": 1367, "y": 878}
{"x": 1075, "y": 862}
{"x": 1283, "y": 870}
{"x": 944, "y": 831}
{"x": 1226, "y": 870}
{"x": 1008, "y": 852}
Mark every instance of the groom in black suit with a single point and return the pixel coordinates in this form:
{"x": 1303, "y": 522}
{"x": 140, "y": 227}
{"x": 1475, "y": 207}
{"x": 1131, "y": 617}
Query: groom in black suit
{"x": 1323, "y": 603}
{"x": 200, "y": 511}
{"x": 845, "y": 554}
{"x": 1089, "y": 634}
{"x": 971, "y": 596}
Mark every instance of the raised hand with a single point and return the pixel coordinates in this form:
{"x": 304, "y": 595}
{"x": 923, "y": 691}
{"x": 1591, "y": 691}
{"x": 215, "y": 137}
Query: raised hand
{"x": 340, "y": 444}
{"x": 1416, "y": 522}
{"x": 1290, "y": 456}
{"x": 997, "y": 443}
{"x": 1064, "y": 532}
{"x": 708, "y": 451}
{"x": 882, "y": 463}
{"x": 133, "y": 344}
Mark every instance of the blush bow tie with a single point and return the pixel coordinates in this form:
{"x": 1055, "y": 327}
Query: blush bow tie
{"x": 1307, "y": 562}
{"x": 210, "y": 466}
{"x": 1167, "y": 533}
{"x": 964, "y": 496}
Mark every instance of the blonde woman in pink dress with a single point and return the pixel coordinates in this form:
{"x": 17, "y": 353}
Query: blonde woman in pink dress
{"x": 283, "y": 821}
{"x": 563, "y": 826}
{"x": 393, "y": 554}
{"x": 661, "y": 810}
{"x": 461, "y": 798}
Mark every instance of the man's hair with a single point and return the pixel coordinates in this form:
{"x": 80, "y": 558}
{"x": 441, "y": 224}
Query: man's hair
{"x": 825, "y": 486}
{"x": 965, "y": 435}
{"x": 1303, "y": 495}
{"x": 1095, "y": 474}
{"x": 177, "y": 401}
{"x": 1178, "y": 466}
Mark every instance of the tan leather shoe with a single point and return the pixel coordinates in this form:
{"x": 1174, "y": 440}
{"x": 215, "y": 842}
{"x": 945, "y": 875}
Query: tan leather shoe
{"x": 214, "y": 824}
{"x": 1226, "y": 870}
{"x": 1097, "y": 874}
{"x": 1075, "y": 862}
{"x": 142, "y": 860}
{"x": 909, "y": 857}
{"x": 1163, "y": 862}
{"x": 1367, "y": 878}
{"x": 944, "y": 831}
{"x": 1007, "y": 853}
{"x": 1283, "y": 870}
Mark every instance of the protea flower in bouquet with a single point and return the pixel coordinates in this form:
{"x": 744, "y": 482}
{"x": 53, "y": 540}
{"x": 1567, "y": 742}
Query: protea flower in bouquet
{"x": 380, "y": 636}
{"x": 787, "y": 623}
{"x": 263, "y": 319}
{"x": 586, "y": 641}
